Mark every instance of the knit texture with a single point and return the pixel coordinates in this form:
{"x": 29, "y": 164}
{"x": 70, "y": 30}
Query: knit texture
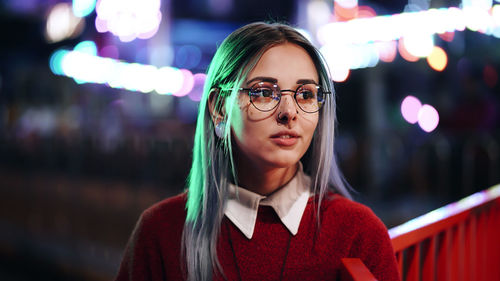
{"x": 347, "y": 229}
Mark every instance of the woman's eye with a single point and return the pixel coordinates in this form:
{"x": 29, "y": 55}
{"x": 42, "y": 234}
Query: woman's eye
{"x": 263, "y": 92}
{"x": 305, "y": 95}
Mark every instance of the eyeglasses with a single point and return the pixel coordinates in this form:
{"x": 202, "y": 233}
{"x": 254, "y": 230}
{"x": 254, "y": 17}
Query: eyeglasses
{"x": 265, "y": 96}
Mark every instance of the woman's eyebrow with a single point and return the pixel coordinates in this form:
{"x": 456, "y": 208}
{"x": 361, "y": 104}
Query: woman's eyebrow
{"x": 263, "y": 79}
{"x": 274, "y": 80}
{"x": 306, "y": 81}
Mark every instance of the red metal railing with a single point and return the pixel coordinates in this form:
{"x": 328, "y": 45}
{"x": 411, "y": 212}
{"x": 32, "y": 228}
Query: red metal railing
{"x": 458, "y": 242}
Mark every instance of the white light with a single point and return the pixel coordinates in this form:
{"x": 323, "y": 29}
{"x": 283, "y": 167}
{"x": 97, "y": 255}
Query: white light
{"x": 478, "y": 4}
{"x": 389, "y": 28}
{"x": 146, "y": 78}
{"x": 62, "y": 24}
{"x": 84, "y": 66}
{"x": 169, "y": 80}
{"x": 419, "y": 45}
{"x": 129, "y": 19}
{"x": 318, "y": 13}
{"x": 347, "y": 4}
{"x": 476, "y": 19}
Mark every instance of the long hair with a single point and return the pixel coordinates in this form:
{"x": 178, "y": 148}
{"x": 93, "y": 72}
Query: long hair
{"x": 213, "y": 165}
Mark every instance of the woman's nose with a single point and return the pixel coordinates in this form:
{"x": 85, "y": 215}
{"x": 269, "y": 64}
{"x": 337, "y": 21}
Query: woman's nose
{"x": 287, "y": 110}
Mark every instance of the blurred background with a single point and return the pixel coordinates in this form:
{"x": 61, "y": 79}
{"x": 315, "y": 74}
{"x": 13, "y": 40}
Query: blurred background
{"x": 98, "y": 101}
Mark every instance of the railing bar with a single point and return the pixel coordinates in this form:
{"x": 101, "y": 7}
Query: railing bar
{"x": 481, "y": 247}
{"x": 496, "y": 225}
{"x": 399, "y": 259}
{"x": 461, "y": 251}
{"x": 428, "y": 250}
{"x": 443, "y": 255}
{"x": 469, "y": 248}
{"x": 454, "y": 258}
{"x": 413, "y": 262}
{"x": 492, "y": 272}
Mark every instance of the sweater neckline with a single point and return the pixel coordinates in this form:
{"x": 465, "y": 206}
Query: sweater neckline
{"x": 289, "y": 202}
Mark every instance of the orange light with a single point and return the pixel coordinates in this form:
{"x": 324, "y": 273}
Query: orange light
{"x": 447, "y": 36}
{"x": 404, "y": 53}
{"x": 437, "y": 59}
{"x": 366, "y": 12}
{"x": 345, "y": 14}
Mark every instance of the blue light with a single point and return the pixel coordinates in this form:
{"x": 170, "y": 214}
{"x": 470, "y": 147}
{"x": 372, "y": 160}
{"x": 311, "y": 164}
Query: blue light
{"x": 86, "y": 47}
{"x": 82, "y": 8}
{"x": 55, "y": 61}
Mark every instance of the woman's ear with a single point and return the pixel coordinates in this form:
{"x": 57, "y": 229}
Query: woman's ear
{"x": 216, "y": 105}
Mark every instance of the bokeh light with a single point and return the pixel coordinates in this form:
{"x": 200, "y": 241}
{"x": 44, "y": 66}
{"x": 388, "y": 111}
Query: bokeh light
{"x": 387, "y": 51}
{"x": 87, "y": 47}
{"x": 419, "y": 45}
{"x": 188, "y": 83}
{"x": 438, "y": 59}
{"x": 62, "y": 23}
{"x": 85, "y": 66}
{"x": 490, "y": 76}
{"x": 199, "y": 82}
{"x": 366, "y": 12}
{"x": 188, "y": 56}
{"x": 447, "y": 36}
{"x": 169, "y": 80}
{"x": 428, "y": 118}
{"x": 109, "y": 51}
{"x": 55, "y": 62}
{"x": 82, "y": 8}
{"x": 129, "y": 19}
{"x": 403, "y": 52}
{"x": 410, "y": 108}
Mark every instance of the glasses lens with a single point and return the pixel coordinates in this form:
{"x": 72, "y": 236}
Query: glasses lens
{"x": 264, "y": 96}
{"x": 309, "y": 97}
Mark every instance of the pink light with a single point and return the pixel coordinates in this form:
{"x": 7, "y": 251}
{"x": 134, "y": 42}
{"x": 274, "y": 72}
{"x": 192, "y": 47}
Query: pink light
{"x": 188, "y": 84}
{"x": 101, "y": 25}
{"x": 110, "y": 51}
{"x": 197, "y": 92}
{"x": 387, "y": 50}
{"x": 410, "y": 108}
{"x": 428, "y": 118}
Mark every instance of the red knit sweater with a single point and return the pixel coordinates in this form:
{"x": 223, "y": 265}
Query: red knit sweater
{"x": 348, "y": 229}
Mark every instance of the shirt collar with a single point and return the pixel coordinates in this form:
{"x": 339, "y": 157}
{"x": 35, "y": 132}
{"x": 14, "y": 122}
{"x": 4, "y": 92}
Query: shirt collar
{"x": 289, "y": 203}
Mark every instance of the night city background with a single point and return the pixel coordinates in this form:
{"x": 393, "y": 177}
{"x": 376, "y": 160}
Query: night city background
{"x": 98, "y": 103}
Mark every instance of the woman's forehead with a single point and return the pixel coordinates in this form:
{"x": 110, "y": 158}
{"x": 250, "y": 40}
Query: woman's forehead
{"x": 284, "y": 63}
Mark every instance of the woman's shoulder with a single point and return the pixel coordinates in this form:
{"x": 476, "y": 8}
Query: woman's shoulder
{"x": 171, "y": 209}
{"x": 346, "y": 211}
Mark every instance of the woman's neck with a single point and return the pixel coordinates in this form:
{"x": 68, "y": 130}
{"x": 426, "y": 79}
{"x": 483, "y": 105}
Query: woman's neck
{"x": 266, "y": 180}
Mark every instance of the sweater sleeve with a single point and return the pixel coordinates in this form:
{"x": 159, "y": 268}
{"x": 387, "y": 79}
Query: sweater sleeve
{"x": 142, "y": 259}
{"x": 373, "y": 246}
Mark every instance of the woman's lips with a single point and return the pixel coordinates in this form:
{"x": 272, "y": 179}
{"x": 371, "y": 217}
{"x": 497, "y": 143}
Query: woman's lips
{"x": 285, "y": 139}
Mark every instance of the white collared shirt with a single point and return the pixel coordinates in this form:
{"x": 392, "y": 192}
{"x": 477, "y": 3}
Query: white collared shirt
{"x": 289, "y": 202}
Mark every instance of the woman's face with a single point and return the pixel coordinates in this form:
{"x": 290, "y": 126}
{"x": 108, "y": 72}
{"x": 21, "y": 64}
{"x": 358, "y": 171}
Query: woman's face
{"x": 280, "y": 137}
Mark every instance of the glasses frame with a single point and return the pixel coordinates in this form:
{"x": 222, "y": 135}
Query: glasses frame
{"x": 275, "y": 86}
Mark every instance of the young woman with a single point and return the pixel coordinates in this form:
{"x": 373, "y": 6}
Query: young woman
{"x": 265, "y": 199}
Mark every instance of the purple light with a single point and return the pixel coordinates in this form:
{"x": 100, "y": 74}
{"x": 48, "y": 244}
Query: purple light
{"x": 188, "y": 84}
{"x": 428, "y": 118}
{"x": 110, "y": 51}
{"x": 197, "y": 92}
{"x": 410, "y": 108}
{"x": 101, "y": 25}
